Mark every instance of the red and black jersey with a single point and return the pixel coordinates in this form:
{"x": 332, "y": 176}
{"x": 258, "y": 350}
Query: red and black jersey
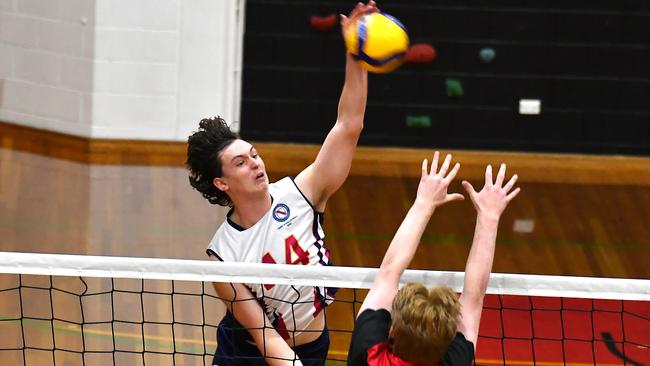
{"x": 370, "y": 344}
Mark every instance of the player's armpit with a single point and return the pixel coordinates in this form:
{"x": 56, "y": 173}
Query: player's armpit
{"x": 380, "y": 296}
{"x": 331, "y": 168}
{"x": 470, "y": 319}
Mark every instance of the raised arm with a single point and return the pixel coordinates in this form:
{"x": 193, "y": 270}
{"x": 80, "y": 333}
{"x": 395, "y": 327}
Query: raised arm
{"x": 432, "y": 192}
{"x": 330, "y": 169}
{"x": 489, "y": 203}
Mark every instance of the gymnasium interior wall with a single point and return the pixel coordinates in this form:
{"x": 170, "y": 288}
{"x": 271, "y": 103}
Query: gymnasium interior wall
{"x": 587, "y": 62}
{"x": 140, "y": 70}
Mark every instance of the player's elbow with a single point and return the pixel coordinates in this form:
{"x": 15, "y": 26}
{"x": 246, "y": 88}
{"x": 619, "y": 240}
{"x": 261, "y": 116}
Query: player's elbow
{"x": 350, "y": 124}
{"x": 389, "y": 274}
{"x": 472, "y": 298}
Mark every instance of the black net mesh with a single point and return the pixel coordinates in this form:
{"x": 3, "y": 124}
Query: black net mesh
{"x": 52, "y": 320}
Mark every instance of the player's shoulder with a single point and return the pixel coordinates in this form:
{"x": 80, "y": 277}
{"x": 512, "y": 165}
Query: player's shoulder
{"x": 459, "y": 352}
{"x": 283, "y": 184}
{"x": 220, "y": 235}
{"x": 373, "y": 324}
{"x": 375, "y": 314}
{"x": 285, "y": 188}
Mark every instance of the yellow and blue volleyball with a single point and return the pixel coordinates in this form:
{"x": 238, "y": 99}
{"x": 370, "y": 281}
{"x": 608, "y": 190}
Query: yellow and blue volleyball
{"x": 377, "y": 41}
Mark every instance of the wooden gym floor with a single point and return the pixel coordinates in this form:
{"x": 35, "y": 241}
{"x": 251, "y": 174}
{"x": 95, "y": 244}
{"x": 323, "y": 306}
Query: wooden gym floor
{"x": 61, "y": 194}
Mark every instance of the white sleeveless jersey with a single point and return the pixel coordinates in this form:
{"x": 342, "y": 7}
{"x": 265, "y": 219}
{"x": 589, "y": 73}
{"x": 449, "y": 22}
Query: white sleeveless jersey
{"x": 290, "y": 233}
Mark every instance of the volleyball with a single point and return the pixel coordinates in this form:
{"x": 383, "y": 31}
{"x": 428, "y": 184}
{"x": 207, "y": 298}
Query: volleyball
{"x": 377, "y": 41}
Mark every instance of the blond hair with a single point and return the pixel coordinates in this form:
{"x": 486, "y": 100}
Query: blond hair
{"x": 424, "y": 322}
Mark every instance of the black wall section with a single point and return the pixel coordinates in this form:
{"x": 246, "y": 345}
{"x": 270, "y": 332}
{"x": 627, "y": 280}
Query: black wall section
{"x": 588, "y": 61}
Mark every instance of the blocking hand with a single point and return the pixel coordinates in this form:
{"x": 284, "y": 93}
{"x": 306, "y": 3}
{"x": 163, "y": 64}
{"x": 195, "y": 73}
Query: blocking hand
{"x": 494, "y": 197}
{"x": 433, "y": 184}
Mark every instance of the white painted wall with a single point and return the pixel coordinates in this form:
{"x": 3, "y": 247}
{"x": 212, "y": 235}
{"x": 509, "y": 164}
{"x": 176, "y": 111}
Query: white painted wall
{"x": 45, "y": 64}
{"x": 133, "y": 69}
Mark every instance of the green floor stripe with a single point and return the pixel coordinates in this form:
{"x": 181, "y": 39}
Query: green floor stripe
{"x": 151, "y": 343}
{"x": 442, "y": 240}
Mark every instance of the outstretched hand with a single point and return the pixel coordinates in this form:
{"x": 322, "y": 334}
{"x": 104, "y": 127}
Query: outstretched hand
{"x": 433, "y": 184}
{"x": 359, "y": 10}
{"x": 494, "y": 197}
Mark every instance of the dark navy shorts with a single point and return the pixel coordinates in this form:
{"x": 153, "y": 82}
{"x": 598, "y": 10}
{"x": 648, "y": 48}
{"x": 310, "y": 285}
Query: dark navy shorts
{"x": 235, "y": 347}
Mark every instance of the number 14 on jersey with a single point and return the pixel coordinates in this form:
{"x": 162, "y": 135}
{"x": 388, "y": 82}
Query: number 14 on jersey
{"x": 293, "y": 254}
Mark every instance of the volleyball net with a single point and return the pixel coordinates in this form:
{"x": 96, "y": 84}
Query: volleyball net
{"x": 98, "y": 310}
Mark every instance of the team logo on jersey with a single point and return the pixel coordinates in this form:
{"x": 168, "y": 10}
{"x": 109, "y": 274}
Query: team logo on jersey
{"x": 281, "y": 212}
